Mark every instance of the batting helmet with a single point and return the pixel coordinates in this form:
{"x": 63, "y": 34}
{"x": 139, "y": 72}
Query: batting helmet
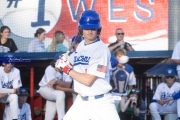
{"x": 8, "y": 58}
{"x": 22, "y": 92}
{"x": 89, "y": 20}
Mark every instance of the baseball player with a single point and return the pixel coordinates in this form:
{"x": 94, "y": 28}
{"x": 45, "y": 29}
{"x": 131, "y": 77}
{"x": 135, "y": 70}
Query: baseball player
{"x": 90, "y": 73}
{"x": 10, "y": 81}
{"x": 123, "y": 76}
{"x": 53, "y": 86}
{"x": 166, "y": 97}
{"x": 24, "y": 111}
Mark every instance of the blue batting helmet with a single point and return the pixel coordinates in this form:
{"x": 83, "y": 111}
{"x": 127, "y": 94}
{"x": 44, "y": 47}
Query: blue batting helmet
{"x": 89, "y": 20}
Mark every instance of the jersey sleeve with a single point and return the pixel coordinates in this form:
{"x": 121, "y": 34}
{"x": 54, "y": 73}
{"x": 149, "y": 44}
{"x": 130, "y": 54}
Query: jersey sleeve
{"x": 16, "y": 79}
{"x": 132, "y": 79}
{"x": 28, "y": 112}
{"x": 176, "y": 53}
{"x": 99, "y": 64}
{"x": 50, "y": 73}
{"x": 157, "y": 94}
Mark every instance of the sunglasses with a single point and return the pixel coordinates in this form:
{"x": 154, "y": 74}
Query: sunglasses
{"x": 169, "y": 77}
{"x": 119, "y": 33}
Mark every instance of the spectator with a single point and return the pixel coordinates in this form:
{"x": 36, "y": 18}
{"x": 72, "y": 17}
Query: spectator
{"x": 53, "y": 86}
{"x": 176, "y": 57}
{"x": 166, "y": 97}
{"x": 37, "y": 45}
{"x": 57, "y": 43}
{"x": 24, "y": 108}
{"x": 120, "y": 43}
{"x": 6, "y": 44}
{"x": 10, "y": 81}
{"x": 130, "y": 106}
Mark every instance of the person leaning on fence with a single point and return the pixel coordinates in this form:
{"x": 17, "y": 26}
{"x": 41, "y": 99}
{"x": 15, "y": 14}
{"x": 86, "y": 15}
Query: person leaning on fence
{"x": 167, "y": 96}
{"x": 6, "y": 44}
{"x": 120, "y": 43}
{"x": 37, "y": 44}
{"x": 57, "y": 43}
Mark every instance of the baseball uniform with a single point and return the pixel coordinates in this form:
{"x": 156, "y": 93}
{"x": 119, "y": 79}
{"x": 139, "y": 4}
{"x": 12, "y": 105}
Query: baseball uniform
{"x": 10, "y": 81}
{"x": 55, "y": 98}
{"x": 24, "y": 113}
{"x": 164, "y": 92}
{"x": 91, "y": 101}
{"x": 176, "y": 55}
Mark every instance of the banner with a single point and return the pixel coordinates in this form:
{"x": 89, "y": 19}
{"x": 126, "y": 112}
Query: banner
{"x": 145, "y": 22}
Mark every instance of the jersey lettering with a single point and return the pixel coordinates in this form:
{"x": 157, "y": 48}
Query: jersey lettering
{"x": 6, "y": 84}
{"x": 81, "y": 60}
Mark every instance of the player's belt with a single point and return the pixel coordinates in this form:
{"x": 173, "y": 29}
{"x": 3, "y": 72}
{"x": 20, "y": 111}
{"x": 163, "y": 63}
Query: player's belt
{"x": 87, "y": 98}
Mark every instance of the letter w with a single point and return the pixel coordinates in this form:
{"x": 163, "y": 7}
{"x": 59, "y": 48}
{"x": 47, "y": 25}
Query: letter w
{"x": 76, "y": 12}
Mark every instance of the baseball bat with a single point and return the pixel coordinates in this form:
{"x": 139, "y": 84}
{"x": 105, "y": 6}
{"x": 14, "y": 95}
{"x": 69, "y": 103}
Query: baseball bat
{"x": 75, "y": 41}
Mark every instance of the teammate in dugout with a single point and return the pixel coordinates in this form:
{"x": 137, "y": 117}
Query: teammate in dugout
{"x": 166, "y": 97}
{"x": 24, "y": 111}
{"x": 53, "y": 86}
{"x": 90, "y": 73}
{"x": 10, "y": 81}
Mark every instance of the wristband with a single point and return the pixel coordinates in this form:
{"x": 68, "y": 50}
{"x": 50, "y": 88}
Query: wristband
{"x": 67, "y": 69}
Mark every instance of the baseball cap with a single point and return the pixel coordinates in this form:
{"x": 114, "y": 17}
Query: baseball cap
{"x": 79, "y": 39}
{"x": 134, "y": 90}
{"x": 23, "y": 91}
{"x": 170, "y": 72}
{"x": 56, "y": 57}
{"x": 121, "y": 75}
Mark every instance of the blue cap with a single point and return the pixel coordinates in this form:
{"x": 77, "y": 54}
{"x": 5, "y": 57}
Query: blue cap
{"x": 22, "y": 91}
{"x": 78, "y": 40}
{"x": 121, "y": 75}
{"x": 56, "y": 57}
{"x": 170, "y": 72}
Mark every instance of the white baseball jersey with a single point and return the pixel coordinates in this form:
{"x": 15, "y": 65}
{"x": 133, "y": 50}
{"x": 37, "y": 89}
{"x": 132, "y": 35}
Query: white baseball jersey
{"x": 11, "y": 79}
{"x": 51, "y": 73}
{"x": 164, "y": 92}
{"x": 176, "y": 55}
{"x": 24, "y": 113}
{"x": 94, "y": 60}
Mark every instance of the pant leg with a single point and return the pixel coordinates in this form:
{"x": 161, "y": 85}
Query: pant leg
{"x": 153, "y": 107}
{"x": 57, "y": 96}
{"x": 178, "y": 107}
{"x": 50, "y": 110}
{"x": 60, "y": 104}
{"x": 13, "y": 101}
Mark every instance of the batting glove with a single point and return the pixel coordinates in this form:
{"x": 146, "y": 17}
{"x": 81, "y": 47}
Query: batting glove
{"x": 63, "y": 63}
